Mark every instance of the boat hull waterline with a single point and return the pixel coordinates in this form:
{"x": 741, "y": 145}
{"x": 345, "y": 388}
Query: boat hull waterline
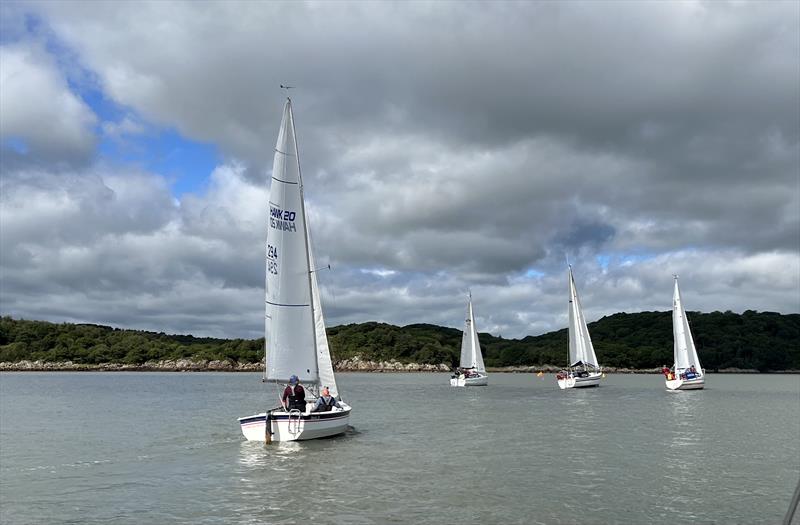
{"x": 697, "y": 383}
{"x": 481, "y": 380}
{"x": 296, "y": 426}
{"x": 580, "y": 382}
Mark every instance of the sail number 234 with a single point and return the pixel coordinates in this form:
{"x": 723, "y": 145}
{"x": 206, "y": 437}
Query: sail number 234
{"x": 272, "y": 259}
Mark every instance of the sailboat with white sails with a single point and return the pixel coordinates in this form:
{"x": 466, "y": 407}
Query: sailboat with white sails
{"x": 471, "y": 372}
{"x": 584, "y": 370}
{"x": 295, "y": 340}
{"x": 686, "y": 373}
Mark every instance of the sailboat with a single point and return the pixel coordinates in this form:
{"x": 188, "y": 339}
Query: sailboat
{"x": 294, "y": 327}
{"x": 583, "y": 371}
{"x": 686, "y": 374}
{"x": 471, "y": 372}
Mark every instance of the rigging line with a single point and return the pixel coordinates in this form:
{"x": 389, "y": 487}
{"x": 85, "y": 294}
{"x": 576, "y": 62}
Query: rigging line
{"x": 328, "y": 267}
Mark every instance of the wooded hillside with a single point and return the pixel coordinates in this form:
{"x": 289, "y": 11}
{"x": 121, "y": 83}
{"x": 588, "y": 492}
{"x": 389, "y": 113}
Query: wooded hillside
{"x": 761, "y": 340}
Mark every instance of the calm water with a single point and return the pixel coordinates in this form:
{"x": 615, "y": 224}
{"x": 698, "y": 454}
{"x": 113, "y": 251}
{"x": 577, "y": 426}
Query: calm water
{"x": 131, "y": 448}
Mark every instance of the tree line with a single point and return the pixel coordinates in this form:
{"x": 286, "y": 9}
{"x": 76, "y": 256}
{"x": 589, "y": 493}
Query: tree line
{"x": 753, "y": 340}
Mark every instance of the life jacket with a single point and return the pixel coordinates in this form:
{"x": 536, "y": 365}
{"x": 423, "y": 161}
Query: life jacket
{"x": 293, "y": 395}
{"x": 293, "y": 399}
{"x": 326, "y": 405}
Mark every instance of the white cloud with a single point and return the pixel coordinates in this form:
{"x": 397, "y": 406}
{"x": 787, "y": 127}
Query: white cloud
{"x": 38, "y": 107}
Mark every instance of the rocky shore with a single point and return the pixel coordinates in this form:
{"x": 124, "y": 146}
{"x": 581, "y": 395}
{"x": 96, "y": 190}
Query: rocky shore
{"x": 346, "y": 365}
{"x": 203, "y": 365}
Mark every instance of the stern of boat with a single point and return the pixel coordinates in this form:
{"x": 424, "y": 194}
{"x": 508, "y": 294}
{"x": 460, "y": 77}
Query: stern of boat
{"x": 697, "y": 383}
{"x": 481, "y": 380}
{"x": 579, "y": 382}
{"x": 295, "y": 425}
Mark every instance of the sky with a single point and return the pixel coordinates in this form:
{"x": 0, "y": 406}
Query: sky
{"x": 446, "y": 147}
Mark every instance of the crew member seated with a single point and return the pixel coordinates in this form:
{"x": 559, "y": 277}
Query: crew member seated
{"x": 325, "y": 402}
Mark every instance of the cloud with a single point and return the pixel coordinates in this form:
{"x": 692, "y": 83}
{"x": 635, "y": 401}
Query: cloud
{"x": 445, "y": 147}
{"x": 104, "y": 246}
{"x": 39, "y": 111}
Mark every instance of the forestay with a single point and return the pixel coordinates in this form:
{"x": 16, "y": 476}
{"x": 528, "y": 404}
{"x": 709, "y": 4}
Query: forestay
{"x": 580, "y": 344}
{"x": 470, "y": 346}
{"x": 685, "y": 351}
{"x": 290, "y": 324}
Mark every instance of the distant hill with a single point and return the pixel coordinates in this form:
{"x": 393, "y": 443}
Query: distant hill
{"x": 761, "y": 340}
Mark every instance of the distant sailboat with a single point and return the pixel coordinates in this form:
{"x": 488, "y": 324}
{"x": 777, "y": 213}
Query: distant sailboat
{"x": 295, "y": 338}
{"x": 686, "y": 374}
{"x": 472, "y": 372}
{"x": 584, "y": 371}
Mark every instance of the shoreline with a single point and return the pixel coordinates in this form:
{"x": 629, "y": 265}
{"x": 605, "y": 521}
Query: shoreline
{"x": 352, "y": 365}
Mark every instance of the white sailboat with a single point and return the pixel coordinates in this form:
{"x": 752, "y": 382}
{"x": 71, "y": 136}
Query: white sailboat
{"x": 686, "y": 373}
{"x": 583, "y": 371}
{"x": 471, "y": 371}
{"x": 294, "y": 328}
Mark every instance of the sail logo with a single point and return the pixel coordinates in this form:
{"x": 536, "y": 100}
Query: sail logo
{"x": 282, "y": 219}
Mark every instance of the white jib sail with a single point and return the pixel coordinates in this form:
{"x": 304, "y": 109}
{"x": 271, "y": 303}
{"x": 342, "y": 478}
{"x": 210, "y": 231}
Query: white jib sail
{"x": 581, "y": 349}
{"x": 290, "y": 324}
{"x": 326, "y": 377}
{"x": 470, "y": 346}
{"x": 685, "y": 351}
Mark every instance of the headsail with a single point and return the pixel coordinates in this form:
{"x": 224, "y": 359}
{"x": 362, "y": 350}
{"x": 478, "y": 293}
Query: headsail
{"x": 684, "y": 349}
{"x": 581, "y": 349}
{"x": 470, "y": 346}
{"x": 290, "y": 325}
{"x": 326, "y": 377}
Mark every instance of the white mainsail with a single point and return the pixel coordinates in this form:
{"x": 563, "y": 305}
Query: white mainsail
{"x": 581, "y": 349}
{"x": 470, "y": 346}
{"x": 684, "y": 349}
{"x": 291, "y": 338}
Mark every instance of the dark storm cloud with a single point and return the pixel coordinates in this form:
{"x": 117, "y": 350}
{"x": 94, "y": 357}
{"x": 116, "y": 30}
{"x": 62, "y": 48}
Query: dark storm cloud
{"x": 445, "y": 147}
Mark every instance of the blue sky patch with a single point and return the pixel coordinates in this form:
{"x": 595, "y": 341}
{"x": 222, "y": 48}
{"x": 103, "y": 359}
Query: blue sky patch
{"x": 16, "y": 144}
{"x": 184, "y": 163}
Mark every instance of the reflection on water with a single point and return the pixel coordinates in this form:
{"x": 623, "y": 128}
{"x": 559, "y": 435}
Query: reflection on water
{"x": 684, "y": 409}
{"x": 257, "y": 454}
{"x": 683, "y": 469}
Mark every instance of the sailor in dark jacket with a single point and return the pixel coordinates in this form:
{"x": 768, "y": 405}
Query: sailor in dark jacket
{"x": 294, "y": 395}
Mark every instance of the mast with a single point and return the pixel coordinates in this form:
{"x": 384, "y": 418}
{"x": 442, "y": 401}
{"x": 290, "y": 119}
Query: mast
{"x": 306, "y": 232}
{"x": 472, "y": 334}
{"x": 572, "y": 332}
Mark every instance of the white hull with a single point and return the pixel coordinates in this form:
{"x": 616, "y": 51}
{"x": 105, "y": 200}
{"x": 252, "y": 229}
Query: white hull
{"x": 296, "y": 426}
{"x": 697, "y": 383}
{"x": 580, "y": 382}
{"x": 481, "y": 380}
